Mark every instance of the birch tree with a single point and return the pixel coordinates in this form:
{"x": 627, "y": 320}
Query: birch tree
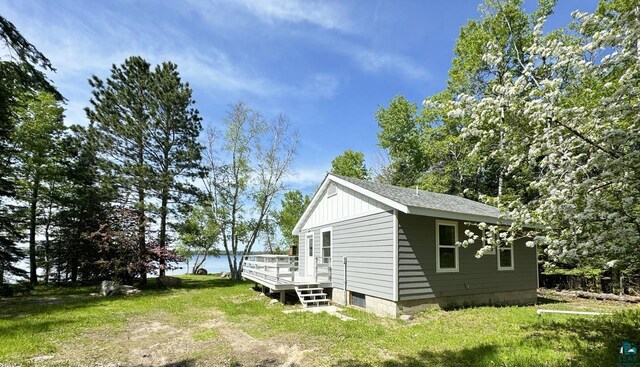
{"x": 246, "y": 166}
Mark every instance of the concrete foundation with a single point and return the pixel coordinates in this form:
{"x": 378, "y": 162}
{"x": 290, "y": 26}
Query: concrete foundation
{"x": 522, "y": 297}
{"x": 386, "y": 308}
{"x": 375, "y": 305}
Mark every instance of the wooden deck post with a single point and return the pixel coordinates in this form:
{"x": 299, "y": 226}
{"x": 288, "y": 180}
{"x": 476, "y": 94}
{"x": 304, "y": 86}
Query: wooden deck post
{"x": 282, "y": 296}
{"x": 315, "y": 265}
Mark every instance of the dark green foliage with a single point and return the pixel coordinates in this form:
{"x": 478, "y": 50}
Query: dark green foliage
{"x": 350, "y": 164}
{"x": 22, "y": 74}
{"x": 173, "y": 150}
{"x": 401, "y": 133}
{"x": 149, "y": 130}
{"x": 198, "y": 235}
{"x": 36, "y": 137}
{"x": 83, "y": 203}
{"x": 293, "y": 206}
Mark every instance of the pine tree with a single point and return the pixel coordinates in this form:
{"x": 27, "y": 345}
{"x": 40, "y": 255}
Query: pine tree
{"x": 38, "y": 131}
{"x": 19, "y": 74}
{"x": 173, "y": 148}
{"x": 120, "y": 108}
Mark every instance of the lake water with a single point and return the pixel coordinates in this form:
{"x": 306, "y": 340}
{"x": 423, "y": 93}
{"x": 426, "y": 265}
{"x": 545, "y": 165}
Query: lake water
{"x": 212, "y": 264}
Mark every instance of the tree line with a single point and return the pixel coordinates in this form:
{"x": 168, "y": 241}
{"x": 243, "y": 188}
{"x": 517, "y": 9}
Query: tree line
{"x": 112, "y": 199}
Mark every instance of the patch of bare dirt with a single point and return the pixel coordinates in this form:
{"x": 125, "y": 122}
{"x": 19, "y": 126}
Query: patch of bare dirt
{"x": 154, "y": 342}
{"x": 249, "y": 351}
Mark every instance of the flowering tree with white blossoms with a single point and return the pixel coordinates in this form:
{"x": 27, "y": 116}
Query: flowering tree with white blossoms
{"x": 573, "y": 116}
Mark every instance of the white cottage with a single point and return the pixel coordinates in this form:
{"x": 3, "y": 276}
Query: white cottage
{"x": 391, "y": 250}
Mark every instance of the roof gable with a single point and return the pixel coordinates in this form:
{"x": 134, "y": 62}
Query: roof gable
{"x": 426, "y": 199}
{"x": 406, "y": 200}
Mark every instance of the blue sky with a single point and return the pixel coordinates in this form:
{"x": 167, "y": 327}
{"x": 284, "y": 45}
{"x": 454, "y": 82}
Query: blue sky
{"x": 327, "y": 65}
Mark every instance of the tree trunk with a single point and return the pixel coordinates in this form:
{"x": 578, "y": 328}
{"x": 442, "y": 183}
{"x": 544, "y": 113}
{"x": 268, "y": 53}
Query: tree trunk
{"x": 33, "y": 275}
{"x": 47, "y": 266}
{"x": 47, "y": 243}
{"x": 59, "y": 266}
{"x": 74, "y": 266}
{"x": 142, "y": 243}
{"x": 163, "y": 225}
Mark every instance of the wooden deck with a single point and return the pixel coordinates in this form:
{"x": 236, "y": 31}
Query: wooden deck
{"x": 280, "y": 272}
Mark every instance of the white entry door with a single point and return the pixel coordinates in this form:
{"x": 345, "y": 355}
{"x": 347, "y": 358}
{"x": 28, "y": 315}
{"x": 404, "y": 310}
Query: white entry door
{"x": 310, "y": 264}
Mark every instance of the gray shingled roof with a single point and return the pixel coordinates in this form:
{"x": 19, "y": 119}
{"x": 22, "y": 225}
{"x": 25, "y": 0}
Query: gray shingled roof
{"x": 426, "y": 199}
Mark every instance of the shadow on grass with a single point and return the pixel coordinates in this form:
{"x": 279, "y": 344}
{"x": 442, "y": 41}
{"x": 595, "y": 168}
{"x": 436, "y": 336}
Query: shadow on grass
{"x": 548, "y": 301}
{"x": 595, "y": 341}
{"x": 182, "y": 363}
{"x": 25, "y": 328}
{"x": 199, "y": 282}
{"x": 476, "y": 356}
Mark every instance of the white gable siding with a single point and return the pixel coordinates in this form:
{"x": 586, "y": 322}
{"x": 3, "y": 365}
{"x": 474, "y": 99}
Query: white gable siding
{"x": 345, "y": 204}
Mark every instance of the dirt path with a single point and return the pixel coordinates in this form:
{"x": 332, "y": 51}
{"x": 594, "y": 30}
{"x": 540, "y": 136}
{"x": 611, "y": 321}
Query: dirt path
{"x": 253, "y": 352}
{"x": 146, "y": 342}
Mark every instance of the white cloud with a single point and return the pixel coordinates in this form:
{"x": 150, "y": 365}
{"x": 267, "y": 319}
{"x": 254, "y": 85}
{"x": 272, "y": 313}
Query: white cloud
{"x": 375, "y": 61}
{"x": 81, "y": 47}
{"x": 322, "y": 14}
{"x": 306, "y": 176}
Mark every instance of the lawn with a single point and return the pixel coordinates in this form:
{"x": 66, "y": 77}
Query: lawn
{"x": 217, "y": 322}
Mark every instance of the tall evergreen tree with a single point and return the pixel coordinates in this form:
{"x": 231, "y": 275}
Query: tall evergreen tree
{"x": 83, "y": 203}
{"x": 120, "y": 108}
{"x": 38, "y": 132}
{"x": 150, "y": 129}
{"x": 22, "y": 72}
{"x": 173, "y": 148}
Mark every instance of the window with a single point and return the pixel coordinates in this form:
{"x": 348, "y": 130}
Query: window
{"x": 326, "y": 246}
{"x": 310, "y": 245}
{"x": 358, "y": 299}
{"x": 331, "y": 190}
{"x": 446, "y": 249}
{"x": 505, "y": 257}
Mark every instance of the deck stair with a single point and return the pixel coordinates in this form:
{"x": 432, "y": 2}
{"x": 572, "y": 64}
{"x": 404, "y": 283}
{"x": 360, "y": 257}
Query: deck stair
{"x": 311, "y": 295}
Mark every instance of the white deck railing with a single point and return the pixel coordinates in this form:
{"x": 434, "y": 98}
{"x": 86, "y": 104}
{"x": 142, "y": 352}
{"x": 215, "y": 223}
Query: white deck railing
{"x": 323, "y": 269}
{"x": 281, "y": 269}
{"x": 272, "y": 268}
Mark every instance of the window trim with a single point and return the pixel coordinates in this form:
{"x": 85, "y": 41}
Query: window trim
{"x": 505, "y": 268}
{"x": 455, "y": 231}
{"x": 306, "y": 243}
{"x": 484, "y": 243}
{"x": 322, "y": 231}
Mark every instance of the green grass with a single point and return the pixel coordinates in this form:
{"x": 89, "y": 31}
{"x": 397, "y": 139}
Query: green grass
{"x": 52, "y": 320}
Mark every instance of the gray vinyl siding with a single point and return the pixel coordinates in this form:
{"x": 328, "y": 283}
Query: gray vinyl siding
{"x": 367, "y": 242}
{"x": 417, "y": 276}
